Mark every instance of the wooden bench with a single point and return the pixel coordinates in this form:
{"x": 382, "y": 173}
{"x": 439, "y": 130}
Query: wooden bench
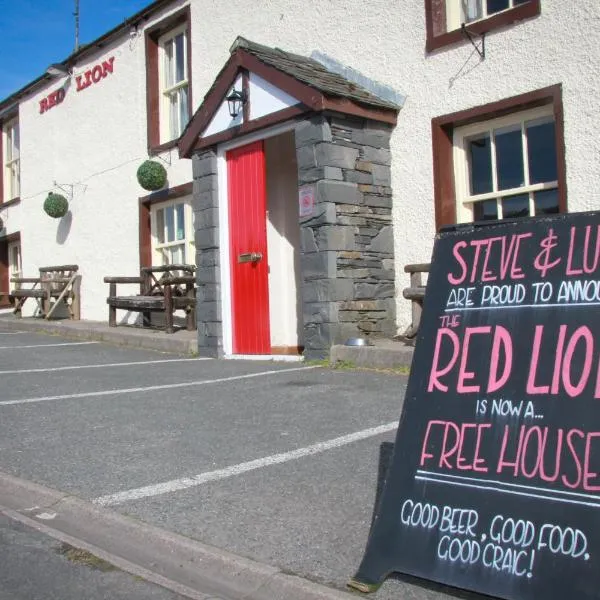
{"x": 163, "y": 289}
{"x": 416, "y": 294}
{"x": 56, "y": 286}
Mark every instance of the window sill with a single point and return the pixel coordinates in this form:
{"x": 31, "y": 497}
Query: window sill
{"x": 10, "y": 202}
{"x": 508, "y": 17}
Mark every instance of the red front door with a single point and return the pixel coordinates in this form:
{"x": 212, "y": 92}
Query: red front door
{"x": 248, "y": 249}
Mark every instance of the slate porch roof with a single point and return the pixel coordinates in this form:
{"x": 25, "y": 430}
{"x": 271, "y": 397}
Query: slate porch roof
{"x": 312, "y": 73}
{"x": 314, "y": 86}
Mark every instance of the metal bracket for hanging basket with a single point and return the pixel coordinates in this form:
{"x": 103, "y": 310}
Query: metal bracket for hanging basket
{"x": 470, "y": 36}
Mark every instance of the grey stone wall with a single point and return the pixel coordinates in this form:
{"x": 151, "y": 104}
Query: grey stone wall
{"x": 206, "y": 224}
{"x": 347, "y": 243}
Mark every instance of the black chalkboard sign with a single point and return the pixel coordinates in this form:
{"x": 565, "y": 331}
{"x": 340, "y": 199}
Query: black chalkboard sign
{"x": 494, "y": 485}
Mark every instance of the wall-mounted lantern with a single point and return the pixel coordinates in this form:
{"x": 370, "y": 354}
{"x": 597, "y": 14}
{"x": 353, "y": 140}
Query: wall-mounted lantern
{"x": 235, "y": 102}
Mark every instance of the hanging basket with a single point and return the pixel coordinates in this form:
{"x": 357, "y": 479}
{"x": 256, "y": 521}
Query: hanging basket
{"x": 56, "y": 206}
{"x": 151, "y": 175}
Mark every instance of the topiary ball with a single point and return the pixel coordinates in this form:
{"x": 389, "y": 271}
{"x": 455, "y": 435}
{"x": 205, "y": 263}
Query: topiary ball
{"x": 56, "y": 205}
{"x": 151, "y": 175}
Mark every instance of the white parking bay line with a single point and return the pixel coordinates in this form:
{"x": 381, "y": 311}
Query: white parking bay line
{"x": 105, "y": 365}
{"x": 12, "y": 332}
{"x": 47, "y": 345}
{"x": 184, "y": 483}
{"x": 151, "y": 388}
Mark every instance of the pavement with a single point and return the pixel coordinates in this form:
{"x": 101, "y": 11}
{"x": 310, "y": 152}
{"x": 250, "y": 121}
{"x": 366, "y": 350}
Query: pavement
{"x": 228, "y": 480}
{"x": 180, "y": 342}
{"x": 379, "y": 354}
{"x": 36, "y": 566}
{"x": 154, "y": 555}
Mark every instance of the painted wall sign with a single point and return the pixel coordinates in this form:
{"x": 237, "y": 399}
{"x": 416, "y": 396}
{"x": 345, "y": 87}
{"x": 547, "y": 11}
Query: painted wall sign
{"x": 52, "y": 100}
{"x": 306, "y": 200}
{"x": 94, "y": 75}
{"x": 494, "y": 485}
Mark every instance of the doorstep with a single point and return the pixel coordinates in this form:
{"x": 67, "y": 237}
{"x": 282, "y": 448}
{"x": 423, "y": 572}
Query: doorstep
{"x": 381, "y": 354}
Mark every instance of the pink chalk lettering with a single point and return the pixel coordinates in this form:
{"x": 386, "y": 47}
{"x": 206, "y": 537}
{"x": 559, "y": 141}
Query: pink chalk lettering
{"x": 532, "y": 388}
{"x": 523, "y": 451}
{"x": 457, "y": 280}
{"x": 445, "y": 453}
{"x": 557, "y": 458}
{"x": 591, "y": 267}
{"x": 424, "y": 454}
{"x": 502, "y": 463}
{"x": 586, "y": 334}
{"x": 562, "y": 334}
{"x": 570, "y": 269}
{"x": 435, "y": 374}
{"x": 463, "y": 374}
{"x": 502, "y": 339}
{"x": 575, "y": 457}
{"x": 587, "y": 474}
{"x": 477, "y": 460}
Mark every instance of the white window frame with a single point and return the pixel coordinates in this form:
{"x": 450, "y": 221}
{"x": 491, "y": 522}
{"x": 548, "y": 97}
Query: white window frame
{"x": 15, "y": 269}
{"x": 159, "y": 256}
{"x": 455, "y": 16}
{"x": 465, "y": 201}
{"x": 12, "y": 160}
{"x": 166, "y": 93}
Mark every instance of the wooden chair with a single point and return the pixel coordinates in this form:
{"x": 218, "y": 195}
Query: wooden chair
{"x": 56, "y": 286}
{"x": 416, "y": 294}
{"x": 163, "y": 289}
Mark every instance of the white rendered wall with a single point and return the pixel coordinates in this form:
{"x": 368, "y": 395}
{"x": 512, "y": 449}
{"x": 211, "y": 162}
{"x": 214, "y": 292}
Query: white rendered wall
{"x": 97, "y": 138}
{"x": 266, "y": 99}
{"x": 93, "y": 141}
{"x": 222, "y": 119}
{"x": 283, "y": 239}
{"x": 386, "y": 41}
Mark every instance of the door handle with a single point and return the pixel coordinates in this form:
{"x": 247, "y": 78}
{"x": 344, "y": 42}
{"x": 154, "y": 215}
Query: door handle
{"x": 246, "y": 257}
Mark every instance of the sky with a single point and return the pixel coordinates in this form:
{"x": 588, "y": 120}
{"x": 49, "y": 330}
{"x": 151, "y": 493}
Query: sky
{"x": 37, "y": 33}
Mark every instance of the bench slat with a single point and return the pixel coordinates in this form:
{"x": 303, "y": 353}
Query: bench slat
{"x": 56, "y": 280}
{"x": 25, "y": 280}
{"x": 417, "y": 267}
{"x": 59, "y": 268}
{"x": 137, "y": 302}
{"x": 37, "y": 293}
{"x": 162, "y": 290}
{"x": 414, "y": 293}
{"x": 164, "y": 268}
{"x": 123, "y": 280}
{"x": 176, "y": 280}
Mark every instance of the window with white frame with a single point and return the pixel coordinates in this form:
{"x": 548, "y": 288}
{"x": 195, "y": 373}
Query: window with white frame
{"x": 14, "y": 260}
{"x": 507, "y": 167}
{"x": 469, "y": 11}
{"x": 172, "y": 233}
{"x": 12, "y": 166}
{"x": 174, "y": 83}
